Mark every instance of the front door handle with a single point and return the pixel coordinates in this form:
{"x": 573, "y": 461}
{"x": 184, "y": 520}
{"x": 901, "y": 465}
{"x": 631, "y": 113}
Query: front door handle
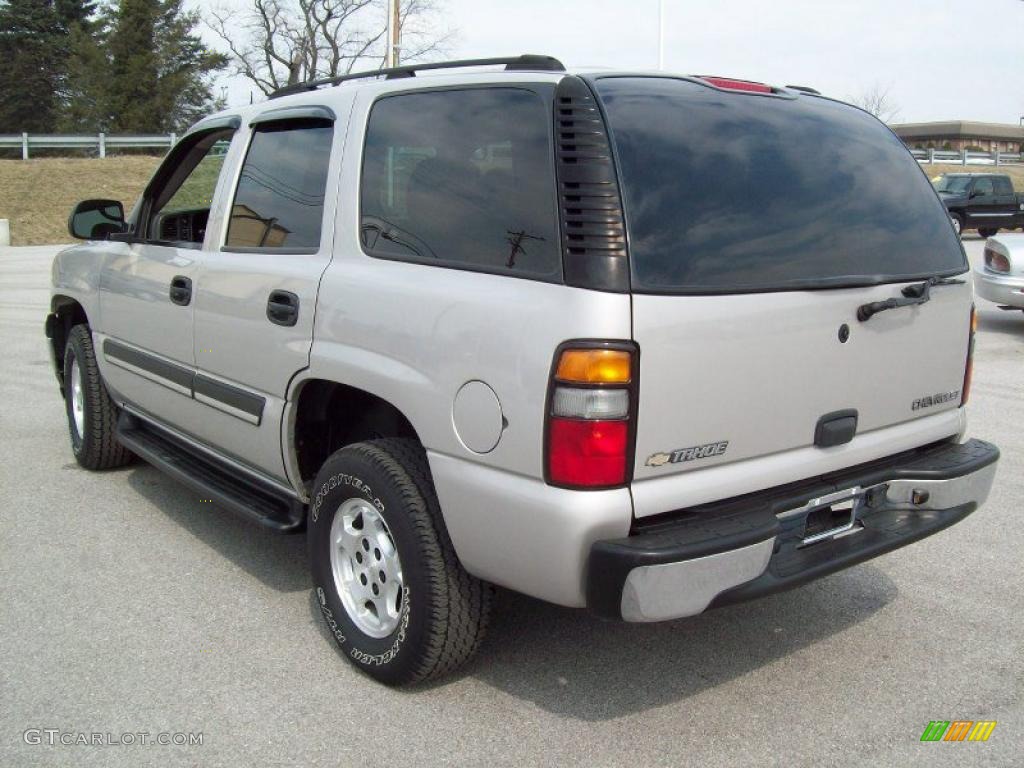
{"x": 181, "y": 290}
{"x": 283, "y": 308}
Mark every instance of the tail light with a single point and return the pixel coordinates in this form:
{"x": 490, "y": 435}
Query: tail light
{"x": 591, "y": 415}
{"x": 996, "y": 261}
{"x": 965, "y": 390}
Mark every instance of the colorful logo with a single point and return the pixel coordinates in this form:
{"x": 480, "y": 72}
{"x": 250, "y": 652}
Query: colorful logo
{"x": 958, "y": 730}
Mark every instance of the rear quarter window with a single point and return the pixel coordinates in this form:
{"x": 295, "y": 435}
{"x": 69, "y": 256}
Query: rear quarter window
{"x": 462, "y": 178}
{"x": 730, "y": 192}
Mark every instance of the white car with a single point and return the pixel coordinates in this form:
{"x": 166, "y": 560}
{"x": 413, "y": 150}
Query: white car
{"x": 1001, "y": 278}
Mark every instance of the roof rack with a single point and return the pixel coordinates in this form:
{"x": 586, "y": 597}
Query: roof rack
{"x": 524, "y": 63}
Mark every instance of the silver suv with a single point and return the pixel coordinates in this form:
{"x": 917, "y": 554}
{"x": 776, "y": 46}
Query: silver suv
{"x": 643, "y": 343}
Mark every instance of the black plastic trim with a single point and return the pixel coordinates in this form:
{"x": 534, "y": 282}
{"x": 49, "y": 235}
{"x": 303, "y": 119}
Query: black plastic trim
{"x": 523, "y": 63}
{"x": 745, "y": 520}
{"x": 239, "y": 399}
{"x": 214, "y": 480}
{"x": 302, "y": 112}
{"x": 176, "y": 374}
{"x": 594, "y": 253}
{"x": 221, "y": 123}
{"x": 835, "y": 428}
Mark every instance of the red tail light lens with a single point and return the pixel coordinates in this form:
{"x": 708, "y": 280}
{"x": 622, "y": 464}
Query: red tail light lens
{"x": 730, "y": 84}
{"x": 965, "y": 390}
{"x": 591, "y": 413}
{"x": 587, "y": 453}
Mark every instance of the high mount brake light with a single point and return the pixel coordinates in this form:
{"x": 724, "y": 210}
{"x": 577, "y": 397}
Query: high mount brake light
{"x": 965, "y": 390}
{"x": 730, "y": 84}
{"x": 591, "y": 415}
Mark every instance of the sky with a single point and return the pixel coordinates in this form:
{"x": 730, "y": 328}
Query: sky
{"x": 939, "y": 59}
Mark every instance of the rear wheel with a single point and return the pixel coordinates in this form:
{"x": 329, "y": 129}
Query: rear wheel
{"x": 958, "y": 223}
{"x": 92, "y": 415}
{"x": 988, "y": 232}
{"x": 397, "y": 601}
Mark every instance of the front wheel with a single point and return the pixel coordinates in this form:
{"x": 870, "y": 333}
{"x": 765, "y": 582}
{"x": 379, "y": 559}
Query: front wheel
{"x": 988, "y": 232}
{"x": 92, "y": 415}
{"x": 397, "y": 601}
{"x": 958, "y": 224}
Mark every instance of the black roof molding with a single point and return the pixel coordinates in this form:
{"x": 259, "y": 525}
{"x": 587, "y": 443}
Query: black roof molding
{"x": 524, "y": 63}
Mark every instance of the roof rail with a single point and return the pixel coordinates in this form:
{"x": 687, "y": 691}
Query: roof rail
{"x": 524, "y": 63}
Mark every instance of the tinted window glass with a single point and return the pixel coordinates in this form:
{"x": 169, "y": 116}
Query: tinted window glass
{"x": 462, "y": 178}
{"x": 280, "y": 197}
{"x": 983, "y": 187}
{"x": 725, "y": 191}
{"x": 181, "y": 208}
{"x": 1003, "y": 186}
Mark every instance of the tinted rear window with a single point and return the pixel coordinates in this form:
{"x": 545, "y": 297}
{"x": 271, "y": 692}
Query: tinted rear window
{"x": 731, "y": 192}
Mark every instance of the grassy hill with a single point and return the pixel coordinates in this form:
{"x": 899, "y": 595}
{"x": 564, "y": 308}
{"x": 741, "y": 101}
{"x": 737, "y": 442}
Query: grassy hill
{"x": 37, "y": 195}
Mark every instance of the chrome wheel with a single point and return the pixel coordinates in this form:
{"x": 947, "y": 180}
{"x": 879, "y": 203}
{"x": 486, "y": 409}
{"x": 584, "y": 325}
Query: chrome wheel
{"x": 956, "y": 224}
{"x": 77, "y": 398}
{"x": 366, "y": 568}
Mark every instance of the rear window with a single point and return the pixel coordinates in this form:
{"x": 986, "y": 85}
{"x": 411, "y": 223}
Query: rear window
{"x": 727, "y": 192}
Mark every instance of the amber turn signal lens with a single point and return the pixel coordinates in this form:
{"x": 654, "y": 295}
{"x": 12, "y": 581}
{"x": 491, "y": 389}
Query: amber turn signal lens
{"x": 594, "y": 366}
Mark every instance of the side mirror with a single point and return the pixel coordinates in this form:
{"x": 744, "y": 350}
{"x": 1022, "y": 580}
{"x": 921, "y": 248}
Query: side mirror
{"x": 96, "y": 219}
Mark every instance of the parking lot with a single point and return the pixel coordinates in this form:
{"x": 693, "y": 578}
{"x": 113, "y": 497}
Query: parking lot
{"x": 128, "y": 606}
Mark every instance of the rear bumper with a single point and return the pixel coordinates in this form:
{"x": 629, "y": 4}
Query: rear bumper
{"x": 758, "y": 544}
{"x": 1006, "y": 290}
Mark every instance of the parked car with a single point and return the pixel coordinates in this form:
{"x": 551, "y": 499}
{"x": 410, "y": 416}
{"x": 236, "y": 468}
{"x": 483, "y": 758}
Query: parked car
{"x": 471, "y": 328}
{"x": 1001, "y": 278}
{"x": 986, "y": 202}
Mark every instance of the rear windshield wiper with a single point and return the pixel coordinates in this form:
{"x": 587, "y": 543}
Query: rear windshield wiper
{"x": 918, "y": 293}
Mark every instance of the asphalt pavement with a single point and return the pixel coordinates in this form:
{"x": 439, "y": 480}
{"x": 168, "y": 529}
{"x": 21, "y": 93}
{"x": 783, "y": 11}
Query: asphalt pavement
{"x": 129, "y": 607}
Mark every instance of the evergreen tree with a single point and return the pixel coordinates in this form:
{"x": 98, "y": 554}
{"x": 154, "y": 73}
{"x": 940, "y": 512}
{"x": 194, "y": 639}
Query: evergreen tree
{"x": 159, "y": 68}
{"x": 31, "y": 65}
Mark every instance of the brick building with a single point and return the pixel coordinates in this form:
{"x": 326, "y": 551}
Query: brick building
{"x": 962, "y": 134}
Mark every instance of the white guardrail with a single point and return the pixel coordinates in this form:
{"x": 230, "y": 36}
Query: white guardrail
{"x": 965, "y": 157}
{"x": 98, "y": 143}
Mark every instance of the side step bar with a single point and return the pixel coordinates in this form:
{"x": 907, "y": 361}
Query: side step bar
{"x": 247, "y": 498}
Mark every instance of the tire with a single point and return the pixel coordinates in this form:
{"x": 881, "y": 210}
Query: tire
{"x": 958, "y": 223}
{"x": 92, "y": 415}
{"x": 988, "y": 232}
{"x": 417, "y": 615}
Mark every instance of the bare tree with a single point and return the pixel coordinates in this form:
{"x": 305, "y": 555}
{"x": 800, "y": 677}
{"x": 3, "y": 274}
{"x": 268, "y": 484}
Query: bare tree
{"x": 876, "y": 100}
{"x": 281, "y": 42}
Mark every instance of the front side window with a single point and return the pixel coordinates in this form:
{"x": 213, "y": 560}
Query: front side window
{"x": 181, "y": 209}
{"x": 279, "y": 202}
{"x": 462, "y": 178}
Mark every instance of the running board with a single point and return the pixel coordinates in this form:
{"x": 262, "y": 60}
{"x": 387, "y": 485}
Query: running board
{"x": 250, "y": 499}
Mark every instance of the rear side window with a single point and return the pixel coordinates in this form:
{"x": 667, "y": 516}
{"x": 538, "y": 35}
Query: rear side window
{"x": 462, "y": 178}
{"x": 279, "y": 202}
{"x": 726, "y": 192}
{"x": 1003, "y": 186}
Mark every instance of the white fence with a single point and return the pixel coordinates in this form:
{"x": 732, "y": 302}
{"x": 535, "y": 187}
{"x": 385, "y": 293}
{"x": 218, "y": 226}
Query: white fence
{"x": 965, "y": 157}
{"x": 98, "y": 143}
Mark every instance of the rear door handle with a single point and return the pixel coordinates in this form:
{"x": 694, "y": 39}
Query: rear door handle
{"x": 283, "y": 308}
{"x": 181, "y": 290}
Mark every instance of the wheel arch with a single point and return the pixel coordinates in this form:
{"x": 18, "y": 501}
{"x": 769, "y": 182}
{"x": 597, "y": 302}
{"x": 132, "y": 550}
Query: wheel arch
{"x": 327, "y": 415}
{"x": 65, "y": 313}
